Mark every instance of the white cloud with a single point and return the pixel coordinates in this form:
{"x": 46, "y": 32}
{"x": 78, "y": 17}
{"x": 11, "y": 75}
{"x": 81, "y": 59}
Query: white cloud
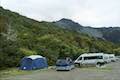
{"x": 86, "y": 12}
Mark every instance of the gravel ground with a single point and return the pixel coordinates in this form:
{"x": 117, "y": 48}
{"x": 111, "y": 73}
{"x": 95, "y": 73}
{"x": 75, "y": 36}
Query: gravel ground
{"x": 110, "y": 71}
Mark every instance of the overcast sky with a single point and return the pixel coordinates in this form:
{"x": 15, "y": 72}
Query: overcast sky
{"x": 96, "y": 13}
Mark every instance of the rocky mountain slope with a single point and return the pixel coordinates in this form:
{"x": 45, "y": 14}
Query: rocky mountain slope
{"x": 111, "y": 34}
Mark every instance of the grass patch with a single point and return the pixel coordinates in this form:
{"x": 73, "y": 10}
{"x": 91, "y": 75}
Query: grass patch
{"x": 15, "y": 71}
{"x": 12, "y": 72}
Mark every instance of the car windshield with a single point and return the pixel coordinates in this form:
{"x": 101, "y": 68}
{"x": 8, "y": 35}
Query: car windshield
{"x": 62, "y": 62}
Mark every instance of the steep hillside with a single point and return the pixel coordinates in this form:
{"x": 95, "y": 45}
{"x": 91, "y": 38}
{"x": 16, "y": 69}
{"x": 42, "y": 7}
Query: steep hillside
{"x": 71, "y": 25}
{"x": 110, "y": 34}
{"x": 21, "y": 36}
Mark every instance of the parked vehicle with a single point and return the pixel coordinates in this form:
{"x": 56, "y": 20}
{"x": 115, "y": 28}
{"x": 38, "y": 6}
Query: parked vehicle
{"x": 117, "y": 58}
{"x": 64, "y": 64}
{"x": 106, "y": 58}
{"x": 92, "y": 59}
{"x": 112, "y": 57}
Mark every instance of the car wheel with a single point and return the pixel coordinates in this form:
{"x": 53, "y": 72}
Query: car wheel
{"x": 98, "y": 64}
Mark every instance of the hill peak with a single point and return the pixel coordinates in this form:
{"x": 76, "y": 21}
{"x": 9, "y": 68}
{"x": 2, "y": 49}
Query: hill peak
{"x": 65, "y": 19}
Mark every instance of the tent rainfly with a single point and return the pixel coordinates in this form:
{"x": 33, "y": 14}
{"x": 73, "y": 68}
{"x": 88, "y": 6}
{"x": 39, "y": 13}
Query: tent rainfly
{"x": 33, "y": 62}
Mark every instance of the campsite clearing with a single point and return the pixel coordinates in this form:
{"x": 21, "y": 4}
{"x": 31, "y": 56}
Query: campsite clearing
{"x": 109, "y": 72}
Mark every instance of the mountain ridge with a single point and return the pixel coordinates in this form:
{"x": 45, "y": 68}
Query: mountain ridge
{"x": 107, "y": 33}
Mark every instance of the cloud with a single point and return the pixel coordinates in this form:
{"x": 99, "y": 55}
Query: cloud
{"x": 86, "y": 12}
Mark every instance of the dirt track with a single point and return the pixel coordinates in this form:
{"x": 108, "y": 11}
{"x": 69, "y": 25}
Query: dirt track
{"x": 110, "y": 72}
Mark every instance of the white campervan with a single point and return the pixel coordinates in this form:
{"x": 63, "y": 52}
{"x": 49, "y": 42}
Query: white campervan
{"x": 92, "y": 58}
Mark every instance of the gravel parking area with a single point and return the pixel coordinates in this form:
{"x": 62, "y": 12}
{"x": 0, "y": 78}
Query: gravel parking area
{"x": 111, "y": 71}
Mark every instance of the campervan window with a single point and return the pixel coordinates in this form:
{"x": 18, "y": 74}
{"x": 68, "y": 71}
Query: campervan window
{"x": 93, "y": 57}
{"x": 80, "y": 58}
{"x": 111, "y": 57}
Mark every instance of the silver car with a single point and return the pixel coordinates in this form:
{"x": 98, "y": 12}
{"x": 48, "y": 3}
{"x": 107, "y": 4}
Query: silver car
{"x": 64, "y": 64}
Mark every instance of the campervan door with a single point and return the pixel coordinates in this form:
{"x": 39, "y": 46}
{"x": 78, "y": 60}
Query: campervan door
{"x": 79, "y": 60}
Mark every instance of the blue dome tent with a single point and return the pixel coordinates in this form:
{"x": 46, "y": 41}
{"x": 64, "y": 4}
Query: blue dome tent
{"x": 33, "y": 62}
